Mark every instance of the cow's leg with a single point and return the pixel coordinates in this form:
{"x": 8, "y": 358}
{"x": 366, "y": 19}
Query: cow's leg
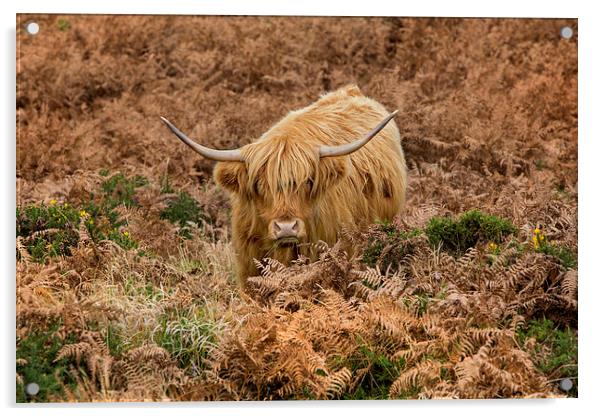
{"x": 245, "y": 266}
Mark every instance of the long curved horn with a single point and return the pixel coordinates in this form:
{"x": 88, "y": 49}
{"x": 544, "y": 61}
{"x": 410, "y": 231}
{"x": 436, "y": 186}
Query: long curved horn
{"x": 213, "y": 154}
{"x": 347, "y": 148}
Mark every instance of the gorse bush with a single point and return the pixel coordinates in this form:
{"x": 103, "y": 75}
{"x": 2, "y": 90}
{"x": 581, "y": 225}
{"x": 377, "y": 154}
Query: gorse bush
{"x": 457, "y": 236}
{"x": 564, "y": 256}
{"x": 388, "y": 245}
{"x": 49, "y": 230}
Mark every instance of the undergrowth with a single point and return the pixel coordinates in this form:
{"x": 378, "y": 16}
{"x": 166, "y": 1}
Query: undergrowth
{"x": 185, "y": 212}
{"x": 388, "y": 246}
{"x": 417, "y": 323}
{"x": 119, "y": 189}
{"x": 376, "y": 372}
{"x": 48, "y": 230}
{"x": 458, "y": 235}
{"x": 188, "y": 336}
{"x": 53, "y": 229}
{"x": 554, "y": 350}
{"x": 36, "y": 363}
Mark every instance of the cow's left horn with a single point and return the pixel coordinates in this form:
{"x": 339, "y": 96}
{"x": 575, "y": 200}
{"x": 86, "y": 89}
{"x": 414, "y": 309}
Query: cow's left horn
{"x": 213, "y": 154}
{"x": 347, "y": 148}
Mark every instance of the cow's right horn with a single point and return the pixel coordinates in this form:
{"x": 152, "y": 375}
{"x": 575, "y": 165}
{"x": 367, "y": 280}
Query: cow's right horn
{"x": 347, "y": 148}
{"x": 213, "y": 154}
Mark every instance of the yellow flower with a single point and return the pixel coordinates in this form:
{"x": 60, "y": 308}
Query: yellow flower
{"x": 91, "y": 221}
{"x": 538, "y": 238}
{"x": 126, "y": 233}
{"x": 53, "y": 201}
{"x": 535, "y": 242}
{"x": 492, "y": 246}
{"x": 83, "y": 213}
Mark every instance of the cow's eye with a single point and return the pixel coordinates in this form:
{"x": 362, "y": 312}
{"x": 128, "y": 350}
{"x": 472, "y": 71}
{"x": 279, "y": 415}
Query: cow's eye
{"x": 309, "y": 184}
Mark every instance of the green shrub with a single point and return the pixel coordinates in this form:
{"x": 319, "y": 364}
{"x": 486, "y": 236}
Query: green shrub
{"x": 563, "y": 255}
{"x": 388, "y": 246}
{"x": 120, "y": 190}
{"x": 555, "y": 350}
{"x": 63, "y": 24}
{"x": 35, "y": 364}
{"x": 472, "y": 227}
{"x": 53, "y": 229}
{"x": 48, "y": 230}
{"x": 182, "y": 211}
{"x": 382, "y": 372}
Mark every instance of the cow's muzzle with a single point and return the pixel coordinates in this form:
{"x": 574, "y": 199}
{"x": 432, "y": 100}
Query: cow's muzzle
{"x": 287, "y": 232}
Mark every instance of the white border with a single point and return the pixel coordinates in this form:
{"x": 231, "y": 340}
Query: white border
{"x": 508, "y": 8}
{"x": 590, "y": 135}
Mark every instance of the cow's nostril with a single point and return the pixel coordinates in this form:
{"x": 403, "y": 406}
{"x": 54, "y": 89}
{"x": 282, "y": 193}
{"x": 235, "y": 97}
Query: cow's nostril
{"x": 296, "y": 226}
{"x": 276, "y": 227}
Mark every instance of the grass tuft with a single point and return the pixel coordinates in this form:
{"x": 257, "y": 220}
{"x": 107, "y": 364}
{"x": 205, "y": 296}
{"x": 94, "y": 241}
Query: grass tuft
{"x": 187, "y": 336}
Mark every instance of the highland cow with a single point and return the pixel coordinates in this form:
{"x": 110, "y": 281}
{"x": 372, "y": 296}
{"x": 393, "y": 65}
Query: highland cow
{"x": 314, "y": 173}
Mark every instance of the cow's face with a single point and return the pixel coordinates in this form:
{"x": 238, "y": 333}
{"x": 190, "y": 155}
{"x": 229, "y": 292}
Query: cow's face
{"x": 282, "y": 183}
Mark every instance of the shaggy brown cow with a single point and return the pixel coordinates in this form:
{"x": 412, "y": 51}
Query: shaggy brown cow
{"x": 309, "y": 176}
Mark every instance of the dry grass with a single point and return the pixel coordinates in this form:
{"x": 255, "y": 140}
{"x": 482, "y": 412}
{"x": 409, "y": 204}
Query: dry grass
{"x": 488, "y": 118}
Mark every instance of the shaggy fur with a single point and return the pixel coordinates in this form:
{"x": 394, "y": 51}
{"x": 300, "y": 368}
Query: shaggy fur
{"x": 283, "y": 177}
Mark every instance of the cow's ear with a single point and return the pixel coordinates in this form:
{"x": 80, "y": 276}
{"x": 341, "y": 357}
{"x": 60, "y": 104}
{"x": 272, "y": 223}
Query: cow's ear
{"x": 230, "y": 175}
{"x": 331, "y": 170}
